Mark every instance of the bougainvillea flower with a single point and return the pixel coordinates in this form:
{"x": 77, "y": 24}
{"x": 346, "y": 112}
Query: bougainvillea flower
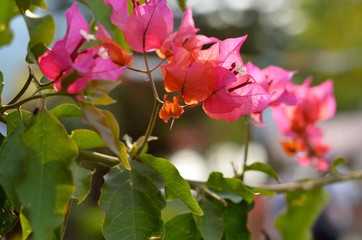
{"x": 182, "y": 46}
{"x": 170, "y": 109}
{"x": 236, "y": 93}
{"x": 148, "y": 26}
{"x": 275, "y": 81}
{"x": 194, "y": 83}
{"x": 71, "y": 68}
{"x": 119, "y": 15}
{"x": 118, "y": 55}
{"x": 299, "y": 122}
{"x": 235, "y": 96}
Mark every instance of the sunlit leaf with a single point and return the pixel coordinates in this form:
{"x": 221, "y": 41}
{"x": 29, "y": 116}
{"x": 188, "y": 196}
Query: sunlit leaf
{"x": 82, "y": 182}
{"x": 12, "y": 159}
{"x": 86, "y": 139}
{"x": 182, "y": 4}
{"x": 13, "y": 119}
{"x": 262, "y": 167}
{"x": 303, "y": 209}
{"x": 176, "y": 186}
{"x": 41, "y": 28}
{"x": 66, "y": 110}
{"x": 46, "y": 187}
{"x": 210, "y": 224}
{"x": 182, "y": 227}
{"x": 7, "y": 217}
{"x": 97, "y": 91}
{"x": 25, "y": 227}
{"x": 8, "y": 10}
{"x": 132, "y": 203}
{"x": 106, "y": 125}
{"x": 218, "y": 182}
{"x": 337, "y": 162}
{"x": 30, "y": 4}
{"x": 35, "y": 52}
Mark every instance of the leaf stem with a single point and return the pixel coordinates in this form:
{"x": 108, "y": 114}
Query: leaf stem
{"x": 246, "y": 145}
{"x": 24, "y": 88}
{"x": 18, "y": 104}
{"x": 99, "y": 158}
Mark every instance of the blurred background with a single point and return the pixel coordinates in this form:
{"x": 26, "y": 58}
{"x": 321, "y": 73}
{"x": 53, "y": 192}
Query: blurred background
{"x": 322, "y": 39}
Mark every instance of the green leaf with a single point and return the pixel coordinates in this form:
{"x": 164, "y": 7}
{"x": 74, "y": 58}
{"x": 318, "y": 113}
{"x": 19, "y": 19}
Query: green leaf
{"x": 82, "y": 182}
{"x": 106, "y": 125}
{"x": 86, "y": 139}
{"x": 303, "y": 209}
{"x": 182, "y": 4}
{"x": 97, "y": 91}
{"x": 41, "y": 28}
{"x": 66, "y": 110}
{"x": 210, "y": 224}
{"x": 182, "y": 227}
{"x": 7, "y": 218}
{"x": 262, "y": 167}
{"x": 8, "y": 10}
{"x": 29, "y": 4}
{"x": 132, "y": 202}
{"x": 235, "y": 218}
{"x": 25, "y": 227}
{"x": 175, "y": 185}
{"x": 46, "y": 187}
{"x": 14, "y": 118}
{"x": 12, "y": 159}
{"x": 336, "y": 163}
{"x": 217, "y": 182}
{"x": 35, "y": 52}
{"x": 1, "y": 86}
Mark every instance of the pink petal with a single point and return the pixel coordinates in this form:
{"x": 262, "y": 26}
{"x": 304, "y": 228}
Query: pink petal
{"x": 119, "y": 14}
{"x": 148, "y": 26}
{"x": 324, "y": 93}
{"x": 75, "y": 22}
{"x": 229, "y": 51}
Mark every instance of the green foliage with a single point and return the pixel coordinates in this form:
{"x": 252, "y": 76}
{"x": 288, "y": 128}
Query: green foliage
{"x": 25, "y": 227}
{"x": 7, "y": 217}
{"x": 175, "y": 185}
{"x": 15, "y": 117}
{"x": 262, "y": 167}
{"x": 210, "y": 224}
{"x": 106, "y": 125}
{"x": 132, "y": 202}
{"x": 8, "y": 10}
{"x": 303, "y": 208}
{"x": 41, "y": 28}
{"x": 46, "y": 187}
{"x": 82, "y": 182}
{"x": 182, "y": 4}
{"x": 66, "y": 110}
{"x": 337, "y": 162}
{"x": 12, "y": 160}
{"x": 235, "y": 217}
{"x": 217, "y": 182}
{"x": 182, "y": 227}
{"x": 98, "y": 89}
{"x": 86, "y": 139}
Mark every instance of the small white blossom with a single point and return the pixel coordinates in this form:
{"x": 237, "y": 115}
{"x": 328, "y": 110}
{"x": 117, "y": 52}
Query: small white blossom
{"x": 87, "y": 36}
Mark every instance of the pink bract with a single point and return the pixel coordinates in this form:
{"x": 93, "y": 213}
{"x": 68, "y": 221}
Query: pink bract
{"x": 148, "y": 26}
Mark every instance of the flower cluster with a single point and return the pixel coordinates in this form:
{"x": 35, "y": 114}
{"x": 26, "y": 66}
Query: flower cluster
{"x": 200, "y": 70}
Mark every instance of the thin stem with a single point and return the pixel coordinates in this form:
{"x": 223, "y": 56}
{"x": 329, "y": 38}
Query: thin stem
{"x": 99, "y": 158}
{"x": 136, "y": 70}
{"x": 18, "y": 104}
{"x": 246, "y": 145}
{"x": 312, "y": 183}
{"x": 279, "y": 188}
{"x": 66, "y": 219}
{"x": 153, "y": 85}
{"x": 158, "y": 65}
{"x": 151, "y": 125}
{"x": 24, "y": 88}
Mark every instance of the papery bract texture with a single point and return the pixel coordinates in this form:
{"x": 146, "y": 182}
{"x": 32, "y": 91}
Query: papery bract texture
{"x": 148, "y": 26}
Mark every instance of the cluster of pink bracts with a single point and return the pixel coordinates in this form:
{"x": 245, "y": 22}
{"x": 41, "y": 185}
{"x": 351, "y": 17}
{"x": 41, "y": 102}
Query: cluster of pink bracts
{"x": 215, "y": 77}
